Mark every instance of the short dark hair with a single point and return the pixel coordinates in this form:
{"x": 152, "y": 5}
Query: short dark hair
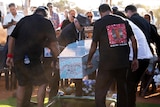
{"x": 11, "y": 4}
{"x": 131, "y": 8}
{"x": 48, "y": 4}
{"x": 104, "y": 8}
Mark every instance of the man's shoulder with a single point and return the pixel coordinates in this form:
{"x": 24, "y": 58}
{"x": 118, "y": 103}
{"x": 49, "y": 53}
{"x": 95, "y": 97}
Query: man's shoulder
{"x": 109, "y": 19}
{"x": 136, "y": 17}
{"x": 69, "y": 27}
{"x": 8, "y": 15}
{"x": 32, "y": 18}
{"x": 68, "y": 30}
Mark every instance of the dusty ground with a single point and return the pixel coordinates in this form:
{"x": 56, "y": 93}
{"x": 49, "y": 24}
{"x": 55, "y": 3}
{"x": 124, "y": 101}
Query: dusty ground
{"x": 4, "y": 94}
{"x": 152, "y": 98}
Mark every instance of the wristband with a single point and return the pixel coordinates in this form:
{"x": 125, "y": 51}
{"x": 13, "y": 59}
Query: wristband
{"x": 10, "y": 55}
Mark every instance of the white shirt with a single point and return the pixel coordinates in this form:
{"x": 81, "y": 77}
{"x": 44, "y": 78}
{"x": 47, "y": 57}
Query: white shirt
{"x": 144, "y": 51}
{"x": 8, "y": 19}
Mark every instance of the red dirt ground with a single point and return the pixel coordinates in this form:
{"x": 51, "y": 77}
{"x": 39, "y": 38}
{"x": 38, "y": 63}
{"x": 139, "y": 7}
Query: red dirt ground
{"x": 153, "y": 98}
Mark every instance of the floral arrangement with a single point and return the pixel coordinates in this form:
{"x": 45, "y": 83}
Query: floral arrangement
{"x": 88, "y": 87}
{"x": 157, "y": 77}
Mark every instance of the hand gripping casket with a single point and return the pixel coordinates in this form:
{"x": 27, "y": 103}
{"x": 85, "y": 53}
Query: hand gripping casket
{"x": 73, "y": 59}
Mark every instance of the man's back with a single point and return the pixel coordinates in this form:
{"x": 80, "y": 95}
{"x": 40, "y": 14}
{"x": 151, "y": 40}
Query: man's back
{"x": 142, "y": 24}
{"x": 31, "y": 33}
{"x": 112, "y": 33}
{"x": 68, "y": 35}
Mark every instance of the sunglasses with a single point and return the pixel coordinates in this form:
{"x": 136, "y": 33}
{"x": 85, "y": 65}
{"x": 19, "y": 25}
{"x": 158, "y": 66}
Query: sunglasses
{"x": 90, "y": 16}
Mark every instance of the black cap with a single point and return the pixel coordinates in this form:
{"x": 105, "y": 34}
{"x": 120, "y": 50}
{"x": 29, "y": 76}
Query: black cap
{"x": 83, "y": 20}
{"x": 43, "y": 8}
{"x": 114, "y": 8}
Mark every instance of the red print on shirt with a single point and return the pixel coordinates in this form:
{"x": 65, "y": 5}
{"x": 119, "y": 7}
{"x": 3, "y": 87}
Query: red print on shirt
{"x": 117, "y": 35}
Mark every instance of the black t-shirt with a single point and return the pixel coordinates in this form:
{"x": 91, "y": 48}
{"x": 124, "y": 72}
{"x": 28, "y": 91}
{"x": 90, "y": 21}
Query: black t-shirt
{"x": 112, "y": 33}
{"x": 31, "y": 34}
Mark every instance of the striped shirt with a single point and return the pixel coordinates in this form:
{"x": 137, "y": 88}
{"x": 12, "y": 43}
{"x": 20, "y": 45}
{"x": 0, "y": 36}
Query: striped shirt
{"x": 55, "y": 20}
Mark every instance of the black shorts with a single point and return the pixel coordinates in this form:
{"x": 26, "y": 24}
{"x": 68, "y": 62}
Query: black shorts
{"x": 31, "y": 74}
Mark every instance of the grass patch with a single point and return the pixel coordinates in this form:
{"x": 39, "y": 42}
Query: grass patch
{"x": 147, "y": 105}
{"x": 11, "y": 102}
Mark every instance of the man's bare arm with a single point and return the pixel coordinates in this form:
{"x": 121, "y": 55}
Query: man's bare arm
{"x": 55, "y": 48}
{"x": 134, "y": 46}
{"x": 11, "y": 43}
{"x": 135, "y": 64}
{"x": 6, "y": 26}
{"x": 9, "y": 24}
{"x": 91, "y": 53}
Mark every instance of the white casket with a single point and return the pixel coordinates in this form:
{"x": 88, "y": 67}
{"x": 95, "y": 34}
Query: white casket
{"x": 73, "y": 59}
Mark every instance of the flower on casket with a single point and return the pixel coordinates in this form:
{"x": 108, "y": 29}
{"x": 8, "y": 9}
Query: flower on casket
{"x": 157, "y": 79}
{"x": 88, "y": 87}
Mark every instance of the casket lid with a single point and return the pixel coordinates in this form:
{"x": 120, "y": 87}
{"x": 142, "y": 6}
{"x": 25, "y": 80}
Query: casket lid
{"x": 76, "y": 49}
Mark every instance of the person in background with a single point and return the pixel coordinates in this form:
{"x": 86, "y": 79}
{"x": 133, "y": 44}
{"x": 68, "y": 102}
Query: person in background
{"x": 71, "y": 15}
{"x": 9, "y": 23}
{"x": 114, "y": 9}
{"x": 156, "y": 52}
{"x": 74, "y": 31}
{"x": 111, "y": 34}
{"x": 71, "y": 33}
{"x": 133, "y": 78}
{"x": 144, "y": 52}
{"x": 155, "y": 38}
{"x": 32, "y": 9}
{"x": 24, "y": 54}
{"x": 53, "y": 16}
{"x": 152, "y": 17}
{"x": 89, "y": 14}
{"x": 66, "y": 11}
{"x": 11, "y": 19}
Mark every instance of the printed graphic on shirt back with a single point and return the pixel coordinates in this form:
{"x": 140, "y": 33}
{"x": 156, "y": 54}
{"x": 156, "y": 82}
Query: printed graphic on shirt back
{"x": 117, "y": 35}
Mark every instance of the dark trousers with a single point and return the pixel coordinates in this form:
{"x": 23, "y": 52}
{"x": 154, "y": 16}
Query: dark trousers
{"x": 3, "y": 56}
{"x": 103, "y": 82}
{"x": 133, "y": 78}
{"x": 54, "y": 84}
{"x": 53, "y": 80}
